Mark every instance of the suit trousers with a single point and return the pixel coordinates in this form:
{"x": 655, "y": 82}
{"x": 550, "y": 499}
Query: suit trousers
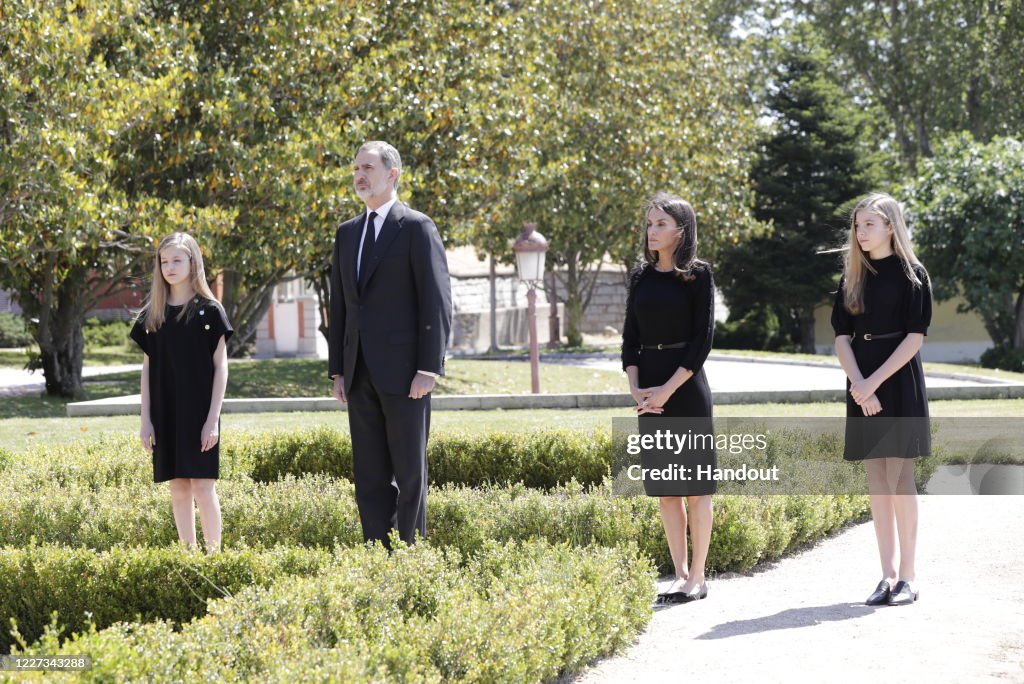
{"x": 389, "y": 455}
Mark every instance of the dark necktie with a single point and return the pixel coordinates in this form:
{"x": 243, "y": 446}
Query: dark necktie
{"x": 367, "y": 252}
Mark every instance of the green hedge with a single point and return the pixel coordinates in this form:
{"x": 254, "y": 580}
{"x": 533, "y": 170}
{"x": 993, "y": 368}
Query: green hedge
{"x": 321, "y": 511}
{"x": 542, "y": 459}
{"x": 125, "y": 584}
{"x": 522, "y": 612}
{"x": 311, "y": 511}
{"x": 13, "y": 332}
{"x": 1004, "y": 357}
{"x": 538, "y": 459}
{"x": 99, "y": 333}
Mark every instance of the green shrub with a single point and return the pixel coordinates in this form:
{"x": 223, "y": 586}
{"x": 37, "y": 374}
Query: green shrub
{"x": 809, "y": 462}
{"x": 757, "y": 329}
{"x": 13, "y": 332}
{"x": 111, "y": 460}
{"x": 313, "y": 511}
{"x": 128, "y": 584}
{"x": 522, "y": 612}
{"x": 321, "y": 511}
{"x": 1004, "y": 357}
{"x": 6, "y": 459}
{"x": 269, "y": 456}
{"x": 538, "y": 459}
{"x": 99, "y": 333}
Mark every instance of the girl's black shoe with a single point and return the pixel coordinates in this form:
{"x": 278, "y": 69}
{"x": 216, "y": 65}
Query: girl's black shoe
{"x": 881, "y": 595}
{"x": 902, "y": 594}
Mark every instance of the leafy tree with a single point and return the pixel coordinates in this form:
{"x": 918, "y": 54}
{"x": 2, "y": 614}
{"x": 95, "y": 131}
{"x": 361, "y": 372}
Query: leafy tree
{"x": 937, "y": 66}
{"x": 967, "y": 208}
{"x": 250, "y": 135}
{"x": 808, "y": 168}
{"x": 437, "y": 84}
{"x": 621, "y": 99}
{"x": 74, "y": 80}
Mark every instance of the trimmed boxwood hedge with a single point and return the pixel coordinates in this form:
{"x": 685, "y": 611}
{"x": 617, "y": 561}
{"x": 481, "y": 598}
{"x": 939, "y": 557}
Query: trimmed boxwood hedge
{"x": 98, "y": 495}
{"x": 539, "y": 459}
{"x": 321, "y": 511}
{"x": 127, "y": 583}
{"x": 519, "y": 612}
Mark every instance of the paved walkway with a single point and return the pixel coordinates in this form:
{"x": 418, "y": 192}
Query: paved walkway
{"x": 731, "y": 374}
{"x": 803, "y": 618}
{"x": 17, "y": 382}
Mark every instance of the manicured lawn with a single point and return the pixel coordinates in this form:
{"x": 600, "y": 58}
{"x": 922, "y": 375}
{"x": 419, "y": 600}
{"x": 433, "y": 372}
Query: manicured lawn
{"x": 94, "y": 356}
{"x": 308, "y": 378}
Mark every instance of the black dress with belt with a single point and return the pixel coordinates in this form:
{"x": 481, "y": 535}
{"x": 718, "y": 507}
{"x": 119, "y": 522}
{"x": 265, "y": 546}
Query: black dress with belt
{"x": 663, "y": 308}
{"x": 892, "y": 304}
{"x": 181, "y": 388}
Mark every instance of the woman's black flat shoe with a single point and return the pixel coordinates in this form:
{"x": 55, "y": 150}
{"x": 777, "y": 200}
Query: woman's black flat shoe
{"x": 674, "y": 597}
{"x": 881, "y": 595}
{"x": 902, "y": 594}
{"x": 701, "y": 593}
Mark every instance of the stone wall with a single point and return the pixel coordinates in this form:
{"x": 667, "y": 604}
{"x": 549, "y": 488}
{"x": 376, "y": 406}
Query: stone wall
{"x": 471, "y": 301}
{"x": 607, "y": 308}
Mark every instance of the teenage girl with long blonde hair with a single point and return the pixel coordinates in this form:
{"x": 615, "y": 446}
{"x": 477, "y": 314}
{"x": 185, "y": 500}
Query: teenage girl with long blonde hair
{"x": 183, "y": 331}
{"x": 881, "y": 315}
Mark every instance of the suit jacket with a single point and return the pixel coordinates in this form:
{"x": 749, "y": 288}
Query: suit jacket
{"x": 402, "y": 316}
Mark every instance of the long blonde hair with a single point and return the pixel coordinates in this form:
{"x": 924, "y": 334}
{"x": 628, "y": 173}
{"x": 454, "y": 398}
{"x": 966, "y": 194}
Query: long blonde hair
{"x": 152, "y": 311}
{"x": 856, "y": 264}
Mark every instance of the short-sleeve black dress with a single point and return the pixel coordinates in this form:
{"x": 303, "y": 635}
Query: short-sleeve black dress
{"x": 181, "y": 388}
{"x": 892, "y": 304}
{"x": 662, "y": 308}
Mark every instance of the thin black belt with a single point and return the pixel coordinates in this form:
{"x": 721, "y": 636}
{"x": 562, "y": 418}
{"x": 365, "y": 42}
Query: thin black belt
{"x": 674, "y": 345}
{"x": 884, "y": 336}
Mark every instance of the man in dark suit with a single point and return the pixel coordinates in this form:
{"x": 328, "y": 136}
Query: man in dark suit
{"x": 390, "y": 315}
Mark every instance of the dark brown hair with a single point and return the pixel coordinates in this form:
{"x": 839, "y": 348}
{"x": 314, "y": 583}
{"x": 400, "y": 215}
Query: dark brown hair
{"x": 685, "y": 257}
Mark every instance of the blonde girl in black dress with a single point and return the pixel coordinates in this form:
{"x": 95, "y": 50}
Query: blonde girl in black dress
{"x": 666, "y": 338}
{"x": 183, "y": 331}
{"x": 880, "y": 317}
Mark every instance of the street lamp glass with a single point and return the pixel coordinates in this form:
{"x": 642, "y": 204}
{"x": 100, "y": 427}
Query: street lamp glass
{"x": 530, "y": 265}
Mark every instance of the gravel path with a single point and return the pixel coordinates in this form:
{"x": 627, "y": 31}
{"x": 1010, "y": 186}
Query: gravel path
{"x": 803, "y": 618}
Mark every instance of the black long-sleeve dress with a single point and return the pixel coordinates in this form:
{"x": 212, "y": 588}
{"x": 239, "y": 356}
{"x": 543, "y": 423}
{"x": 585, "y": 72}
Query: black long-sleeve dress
{"x": 892, "y": 304}
{"x": 181, "y": 388}
{"x": 662, "y": 308}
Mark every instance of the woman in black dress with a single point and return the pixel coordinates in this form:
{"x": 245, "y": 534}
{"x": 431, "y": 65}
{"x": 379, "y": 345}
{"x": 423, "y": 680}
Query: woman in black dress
{"x": 880, "y": 317}
{"x": 665, "y": 341}
{"x": 183, "y": 331}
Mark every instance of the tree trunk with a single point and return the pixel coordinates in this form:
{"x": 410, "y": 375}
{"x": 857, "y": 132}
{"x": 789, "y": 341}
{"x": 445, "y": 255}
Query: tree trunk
{"x": 807, "y": 330}
{"x": 245, "y": 309}
{"x": 61, "y": 315}
{"x": 992, "y": 328}
{"x": 62, "y": 362}
{"x": 323, "y": 295}
{"x": 1018, "y": 328}
{"x": 573, "y": 303}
